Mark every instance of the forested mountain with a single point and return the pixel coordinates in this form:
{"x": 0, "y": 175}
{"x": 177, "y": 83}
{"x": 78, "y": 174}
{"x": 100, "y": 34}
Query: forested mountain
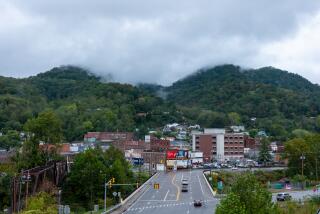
{"x": 280, "y": 101}
{"x": 215, "y": 97}
{"x": 82, "y": 102}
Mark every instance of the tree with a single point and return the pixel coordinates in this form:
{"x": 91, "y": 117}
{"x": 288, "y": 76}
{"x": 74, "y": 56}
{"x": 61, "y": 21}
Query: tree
{"x": 294, "y": 149}
{"x": 231, "y": 205}
{"x": 5, "y": 193}
{"x": 300, "y": 133}
{"x": 264, "y": 155}
{"x": 234, "y": 118}
{"x": 45, "y": 129}
{"x": 247, "y": 196}
{"x": 10, "y": 140}
{"x": 89, "y": 171}
{"x": 318, "y": 122}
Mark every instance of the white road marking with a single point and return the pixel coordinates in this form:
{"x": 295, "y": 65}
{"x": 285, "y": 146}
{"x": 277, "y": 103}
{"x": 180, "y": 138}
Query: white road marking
{"x": 165, "y": 197}
{"x": 200, "y": 185}
{"x": 140, "y": 196}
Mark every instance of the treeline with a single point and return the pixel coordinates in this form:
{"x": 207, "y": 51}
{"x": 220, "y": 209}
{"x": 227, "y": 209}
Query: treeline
{"x": 263, "y": 99}
{"x": 266, "y": 98}
{"x": 82, "y": 102}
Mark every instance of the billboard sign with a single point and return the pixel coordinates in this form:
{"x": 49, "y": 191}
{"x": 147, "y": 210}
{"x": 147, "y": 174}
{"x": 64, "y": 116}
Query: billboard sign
{"x": 182, "y": 154}
{"x": 171, "y": 154}
{"x": 137, "y": 161}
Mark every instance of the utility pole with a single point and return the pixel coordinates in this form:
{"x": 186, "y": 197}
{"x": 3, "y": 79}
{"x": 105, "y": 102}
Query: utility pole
{"x": 105, "y": 194}
{"x": 302, "y": 157}
{"x": 27, "y": 189}
{"x": 317, "y": 167}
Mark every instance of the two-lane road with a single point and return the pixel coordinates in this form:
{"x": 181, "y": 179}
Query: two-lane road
{"x": 170, "y": 200}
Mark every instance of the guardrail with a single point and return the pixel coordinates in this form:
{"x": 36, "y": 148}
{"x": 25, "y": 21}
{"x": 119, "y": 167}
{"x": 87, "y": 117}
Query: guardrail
{"x": 115, "y": 207}
{"x": 207, "y": 182}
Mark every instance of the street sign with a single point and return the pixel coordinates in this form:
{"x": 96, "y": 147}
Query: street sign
{"x": 220, "y": 185}
{"x": 114, "y": 194}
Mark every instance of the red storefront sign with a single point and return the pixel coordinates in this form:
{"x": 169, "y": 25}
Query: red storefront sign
{"x": 172, "y": 154}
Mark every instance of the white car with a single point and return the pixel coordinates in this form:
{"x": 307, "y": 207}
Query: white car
{"x": 234, "y": 168}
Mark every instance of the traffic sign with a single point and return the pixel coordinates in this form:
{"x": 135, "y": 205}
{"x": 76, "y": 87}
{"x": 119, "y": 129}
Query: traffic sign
{"x": 114, "y": 194}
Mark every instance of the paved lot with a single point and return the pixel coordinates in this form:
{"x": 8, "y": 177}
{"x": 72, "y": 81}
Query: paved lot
{"x": 170, "y": 200}
{"x": 298, "y": 195}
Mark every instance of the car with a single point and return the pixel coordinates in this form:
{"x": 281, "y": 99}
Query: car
{"x": 184, "y": 185}
{"x": 234, "y": 168}
{"x": 283, "y": 196}
{"x": 197, "y": 203}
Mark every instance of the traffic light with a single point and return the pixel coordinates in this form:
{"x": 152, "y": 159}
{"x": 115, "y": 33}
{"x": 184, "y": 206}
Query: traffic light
{"x": 110, "y": 184}
{"x": 156, "y": 186}
{"x": 113, "y": 180}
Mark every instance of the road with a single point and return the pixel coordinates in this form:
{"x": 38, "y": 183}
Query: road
{"x": 170, "y": 200}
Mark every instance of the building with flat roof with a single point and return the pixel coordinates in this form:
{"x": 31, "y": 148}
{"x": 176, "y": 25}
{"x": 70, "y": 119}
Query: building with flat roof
{"x": 217, "y": 144}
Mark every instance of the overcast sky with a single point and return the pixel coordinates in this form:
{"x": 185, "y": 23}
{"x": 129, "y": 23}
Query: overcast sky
{"x": 158, "y": 41}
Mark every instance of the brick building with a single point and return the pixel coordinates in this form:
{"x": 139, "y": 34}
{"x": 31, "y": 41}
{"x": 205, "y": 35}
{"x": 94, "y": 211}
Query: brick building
{"x": 216, "y": 144}
{"x": 107, "y": 137}
{"x": 130, "y": 144}
{"x": 159, "y": 145}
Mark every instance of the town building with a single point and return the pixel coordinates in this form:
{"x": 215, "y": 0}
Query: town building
{"x": 159, "y": 145}
{"x": 107, "y": 137}
{"x": 251, "y": 147}
{"x": 129, "y": 144}
{"x": 196, "y": 158}
{"x": 217, "y": 144}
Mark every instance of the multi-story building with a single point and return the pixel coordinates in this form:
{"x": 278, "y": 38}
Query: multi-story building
{"x": 218, "y": 145}
{"x": 107, "y": 137}
{"x": 159, "y": 145}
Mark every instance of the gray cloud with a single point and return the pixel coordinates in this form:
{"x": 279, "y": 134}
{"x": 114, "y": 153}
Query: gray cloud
{"x": 156, "y": 41}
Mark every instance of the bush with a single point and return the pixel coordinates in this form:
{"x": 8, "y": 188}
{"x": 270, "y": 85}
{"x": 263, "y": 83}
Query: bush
{"x": 42, "y": 203}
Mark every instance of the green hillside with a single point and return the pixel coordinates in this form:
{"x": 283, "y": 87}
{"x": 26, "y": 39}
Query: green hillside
{"x": 280, "y": 101}
{"x": 216, "y": 97}
{"x": 82, "y": 102}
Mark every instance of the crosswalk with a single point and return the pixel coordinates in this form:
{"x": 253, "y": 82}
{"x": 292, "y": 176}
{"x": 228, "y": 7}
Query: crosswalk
{"x": 165, "y": 204}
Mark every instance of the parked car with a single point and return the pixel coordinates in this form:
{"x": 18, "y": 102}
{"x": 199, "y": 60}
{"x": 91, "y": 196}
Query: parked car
{"x": 234, "y": 168}
{"x": 283, "y": 196}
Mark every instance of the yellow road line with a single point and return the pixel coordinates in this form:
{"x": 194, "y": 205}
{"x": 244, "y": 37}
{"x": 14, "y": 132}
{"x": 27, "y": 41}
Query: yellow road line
{"x": 178, "y": 188}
